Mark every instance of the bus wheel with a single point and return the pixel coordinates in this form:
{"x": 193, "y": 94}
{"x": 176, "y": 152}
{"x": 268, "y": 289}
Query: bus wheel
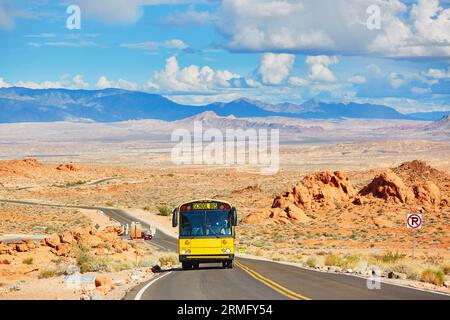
{"x": 230, "y": 264}
{"x": 186, "y": 265}
{"x": 196, "y": 265}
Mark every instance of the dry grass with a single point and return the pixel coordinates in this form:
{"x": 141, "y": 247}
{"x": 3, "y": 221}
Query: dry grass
{"x": 433, "y": 276}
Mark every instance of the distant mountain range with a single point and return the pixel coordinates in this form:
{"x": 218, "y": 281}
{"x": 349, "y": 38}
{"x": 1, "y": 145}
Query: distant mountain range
{"x": 112, "y": 105}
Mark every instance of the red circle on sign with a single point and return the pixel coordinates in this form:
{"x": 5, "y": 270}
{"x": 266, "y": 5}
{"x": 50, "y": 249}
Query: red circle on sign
{"x": 418, "y": 217}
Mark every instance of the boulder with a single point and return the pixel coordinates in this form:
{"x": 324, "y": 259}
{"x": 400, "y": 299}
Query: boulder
{"x": 5, "y": 249}
{"x": 53, "y": 240}
{"x": 62, "y": 249}
{"x": 390, "y": 187}
{"x": 30, "y": 243}
{"x": 427, "y": 193}
{"x": 68, "y": 167}
{"x": 67, "y": 237}
{"x": 22, "y": 247}
{"x": 103, "y": 285}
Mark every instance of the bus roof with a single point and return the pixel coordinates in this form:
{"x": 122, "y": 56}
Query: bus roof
{"x": 205, "y": 200}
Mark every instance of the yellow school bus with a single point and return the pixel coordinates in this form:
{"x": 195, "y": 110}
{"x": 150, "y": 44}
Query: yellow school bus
{"x": 206, "y": 232}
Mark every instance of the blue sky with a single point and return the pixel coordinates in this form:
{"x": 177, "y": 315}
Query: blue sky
{"x": 203, "y": 51}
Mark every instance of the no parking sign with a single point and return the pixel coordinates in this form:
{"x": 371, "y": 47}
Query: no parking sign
{"x": 414, "y": 221}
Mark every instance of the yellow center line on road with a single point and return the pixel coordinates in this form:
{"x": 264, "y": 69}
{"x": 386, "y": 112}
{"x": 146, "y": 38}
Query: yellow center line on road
{"x": 272, "y": 284}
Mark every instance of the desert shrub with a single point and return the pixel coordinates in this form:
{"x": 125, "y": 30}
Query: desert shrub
{"x": 351, "y": 261}
{"x": 146, "y": 208}
{"x": 311, "y": 262}
{"x": 445, "y": 267}
{"x": 48, "y": 273}
{"x": 164, "y": 211}
{"x": 168, "y": 260}
{"x": 28, "y": 261}
{"x": 149, "y": 262}
{"x": 259, "y": 243}
{"x": 390, "y": 257}
{"x": 122, "y": 265}
{"x": 333, "y": 260}
{"x": 87, "y": 261}
{"x": 433, "y": 276}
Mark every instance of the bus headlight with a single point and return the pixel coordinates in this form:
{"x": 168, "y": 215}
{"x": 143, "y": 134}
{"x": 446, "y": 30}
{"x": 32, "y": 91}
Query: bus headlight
{"x": 228, "y": 250}
{"x": 183, "y": 251}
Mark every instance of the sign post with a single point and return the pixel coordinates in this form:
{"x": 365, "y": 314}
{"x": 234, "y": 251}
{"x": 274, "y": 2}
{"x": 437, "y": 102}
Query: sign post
{"x": 414, "y": 222}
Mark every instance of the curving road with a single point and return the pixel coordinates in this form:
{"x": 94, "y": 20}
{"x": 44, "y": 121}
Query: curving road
{"x": 252, "y": 279}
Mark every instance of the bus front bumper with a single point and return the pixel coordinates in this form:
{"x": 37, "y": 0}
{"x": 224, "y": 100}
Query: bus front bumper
{"x": 205, "y": 258}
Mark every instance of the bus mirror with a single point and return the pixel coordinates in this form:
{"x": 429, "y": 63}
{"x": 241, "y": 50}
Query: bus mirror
{"x": 175, "y": 217}
{"x": 234, "y": 216}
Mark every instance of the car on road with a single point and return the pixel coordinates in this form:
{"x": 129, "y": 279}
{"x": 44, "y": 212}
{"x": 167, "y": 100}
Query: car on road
{"x": 147, "y": 236}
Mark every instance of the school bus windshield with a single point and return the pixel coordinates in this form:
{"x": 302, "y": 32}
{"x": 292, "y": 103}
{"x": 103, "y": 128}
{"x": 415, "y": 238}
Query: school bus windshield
{"x": 202, "y": 223}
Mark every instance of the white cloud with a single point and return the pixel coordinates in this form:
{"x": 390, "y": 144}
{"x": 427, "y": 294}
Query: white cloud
{"x": 65, "y": 44}
{"x": 188, "y": 18}
{"x": 396, "y": 80}
{"x": 323, "y": 27}
{"x": 104, "y": 83}
{"x": 357, "y": 79}
{"x": 176, "y": 43}
{"x": 438, "y": 74}
{"x": 153, "y": 46}
{"x": 297, "y": 81}
{"x": 319, "y": 70}
{"x": 191, "y": 78}
{"x": 76, "y": 82}
{"x": 119, "y": 11}
{"x": 275, "y": 68}
{"x": 4, "y": 84}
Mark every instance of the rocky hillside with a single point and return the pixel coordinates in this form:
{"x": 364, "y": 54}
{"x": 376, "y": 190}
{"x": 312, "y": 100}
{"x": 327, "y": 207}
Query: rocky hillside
{"x": 414, "y": 184}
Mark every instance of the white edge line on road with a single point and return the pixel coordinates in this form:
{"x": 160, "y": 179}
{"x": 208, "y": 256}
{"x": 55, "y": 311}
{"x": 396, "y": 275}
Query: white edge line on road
{"x": 292, "y": 264}
{"x": 141, "y": 292}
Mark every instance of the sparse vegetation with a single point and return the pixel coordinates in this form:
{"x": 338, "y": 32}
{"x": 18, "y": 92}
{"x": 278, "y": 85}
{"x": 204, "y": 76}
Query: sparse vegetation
{"x": 28, "y": 261}
{"x": 48, "y": 273}
{"x": 168, "y": 260}
{"x": 164, "y": 211}
{"x": 311, "y": 262}
{"x": 433, "y": 276}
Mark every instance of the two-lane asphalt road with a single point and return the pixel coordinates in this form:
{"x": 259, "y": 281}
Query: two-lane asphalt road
{"x": 253, "y": 279}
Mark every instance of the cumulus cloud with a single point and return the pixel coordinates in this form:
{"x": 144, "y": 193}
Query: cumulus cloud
{"x": 191, "y": 78}
{"x": 103, "y": 83}
{"x": 421, "y": 29}
{"x": 275, "y": 68}
{"x": 319, "y": 70}
{"x": 4, "y": 84}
